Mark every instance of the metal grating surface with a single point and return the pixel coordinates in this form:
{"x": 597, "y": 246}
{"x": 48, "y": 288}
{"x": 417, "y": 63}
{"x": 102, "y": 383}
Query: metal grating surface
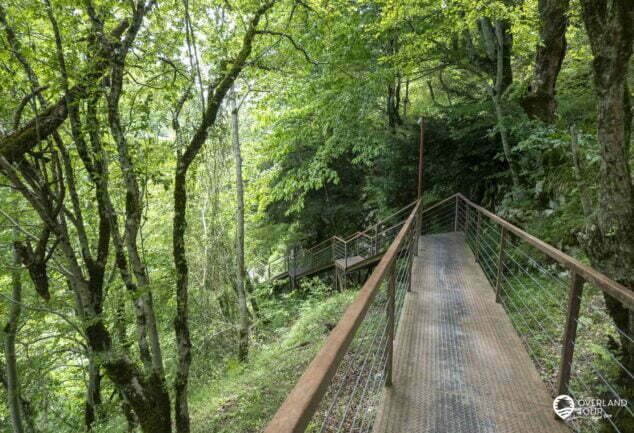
{"x": 348, "y": 262}
{"x": 459, "y": 365}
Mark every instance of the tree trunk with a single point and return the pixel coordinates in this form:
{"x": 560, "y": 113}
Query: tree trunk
{"x": 10, "y": 330}
{"x": 540, "y": 100}
{"x": 393, "y": 103}
{"x": 92, "y": 406}
{"x": 243, "y": 345}
{"x": 181, "y": 327}
{"x": 218, "y": 91}
{"x": 610, "y": 242}
{"x": 25, "y": 405}
{"x": 506, "y": 145}
{"x": 497, "y": 41}
{"x": 145, "y": 395}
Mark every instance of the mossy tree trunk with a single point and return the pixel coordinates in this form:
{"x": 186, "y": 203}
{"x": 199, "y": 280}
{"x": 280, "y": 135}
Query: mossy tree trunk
{"x": 243, "y": 345}
{"x": 540, "y": 100}
{"x": 610, "y": 228}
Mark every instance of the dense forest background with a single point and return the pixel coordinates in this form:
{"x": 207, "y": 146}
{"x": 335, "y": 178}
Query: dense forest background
{"x": 153, "y": 153}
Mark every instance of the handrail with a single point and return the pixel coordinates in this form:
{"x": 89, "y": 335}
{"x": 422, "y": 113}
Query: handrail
{"x": 441, "y": 202}
{"x": 332, "y": 239}
{"x": 383, "y": 220}
{"x": 300, "y": 404}
{"x": 622, "y": 293}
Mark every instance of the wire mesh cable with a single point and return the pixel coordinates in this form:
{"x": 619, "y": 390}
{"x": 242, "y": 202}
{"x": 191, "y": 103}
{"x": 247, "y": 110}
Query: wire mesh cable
{"x": 534, "y": 292}
{"x": 354, "y": 391}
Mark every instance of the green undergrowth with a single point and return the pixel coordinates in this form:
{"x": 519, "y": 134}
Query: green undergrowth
{"x": 246, "y": 395}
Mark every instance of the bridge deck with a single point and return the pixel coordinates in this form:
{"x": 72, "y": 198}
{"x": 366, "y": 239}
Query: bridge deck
{"x": 348, "y": 261}
{"x": 459, "y": 365}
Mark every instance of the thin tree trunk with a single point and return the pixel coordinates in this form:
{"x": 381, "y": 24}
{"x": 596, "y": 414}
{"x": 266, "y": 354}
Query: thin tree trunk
{"x": 540, "y": 100}
{"x": 243, "y": 347}
{"x": 217, "y": 92}
{"x": 10, "y": 330}
{"x": 497, "y": 41}
{"x": 506, "y": 146}
{"x": 181, "y": 327}
{"x": 586, "y": 204}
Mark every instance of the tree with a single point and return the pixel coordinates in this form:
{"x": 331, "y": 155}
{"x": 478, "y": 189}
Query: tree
{"x": 551, "y": 50}
{"x": 610, "y": 228}
{"x": 216, "y": 94}
{"x": 10, "y": 330}
{"x": 240, "y": 270}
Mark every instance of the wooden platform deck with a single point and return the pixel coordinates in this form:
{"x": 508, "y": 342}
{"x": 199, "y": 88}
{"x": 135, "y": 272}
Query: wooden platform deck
{"x": 460, "y": 367}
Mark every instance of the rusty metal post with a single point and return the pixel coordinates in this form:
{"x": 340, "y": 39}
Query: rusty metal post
{"x": 410, "y": 263}
{"x": 455, "y": 218}
{"x": 498, "y": 279}
{"x": 570, "y": 332}
{"x": 344, "y": 282}
{"x": 477, "y": 237}
{"x": 421, "y": 155}
{"x": 391, "y": 294}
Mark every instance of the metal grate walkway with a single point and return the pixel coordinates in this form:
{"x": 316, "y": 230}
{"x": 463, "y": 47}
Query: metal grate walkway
{"x": 459, "y": 365}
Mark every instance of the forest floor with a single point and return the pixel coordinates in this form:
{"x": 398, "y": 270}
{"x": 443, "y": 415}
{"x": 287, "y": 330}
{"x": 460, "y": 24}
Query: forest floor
{"x": 246, "y": 395}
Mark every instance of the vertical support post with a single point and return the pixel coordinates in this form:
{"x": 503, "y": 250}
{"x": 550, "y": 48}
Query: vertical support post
{"x": 455, "y": 218}
{"x": 498, "y": 279}
{"x": 269, "y": 271}
{"x": 344, "y": 283}
{"x": 570, "y": 332}
{"x": 410, "y": 264}
{"x": 333, "y": 246}
{"x": 421, "y": 155}
{"x": 391, "y": 294}
{"x": 467, "y": 220}
{"x": 332, "y": 250}
{"x": 477, "y": 237}
{"x": 418, "y": 229}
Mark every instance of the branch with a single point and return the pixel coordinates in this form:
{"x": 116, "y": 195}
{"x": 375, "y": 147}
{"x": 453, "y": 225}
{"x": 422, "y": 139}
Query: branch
{"x": 433, "y": 96}
{"x": 455, "y": 91}
{"x": 219, "y": 88}
{"x": 46, "y": 310}
{"x": 15, "y": 145}
{"x": 292, "y": 41}
{"x": 18, "y": 112}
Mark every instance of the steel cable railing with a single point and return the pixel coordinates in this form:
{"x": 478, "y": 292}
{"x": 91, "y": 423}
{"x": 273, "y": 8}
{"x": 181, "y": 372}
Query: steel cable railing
{"x": 573, "y": 343}
{"x": 340, "y": 390}
{"x": 576, "y": 346}
{"x": 369, "y": 243}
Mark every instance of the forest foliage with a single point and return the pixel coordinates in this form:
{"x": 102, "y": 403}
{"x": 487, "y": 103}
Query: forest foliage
{"x": 123, "y": 302}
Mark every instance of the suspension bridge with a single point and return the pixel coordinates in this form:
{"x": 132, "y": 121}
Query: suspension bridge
{"x": 465, "y": 324}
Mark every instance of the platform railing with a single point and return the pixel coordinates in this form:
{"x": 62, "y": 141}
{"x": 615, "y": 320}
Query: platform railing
{"x": 367, "y": 243}
{"x": 559, "y": 307}
{"x": 340, "y": 388}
